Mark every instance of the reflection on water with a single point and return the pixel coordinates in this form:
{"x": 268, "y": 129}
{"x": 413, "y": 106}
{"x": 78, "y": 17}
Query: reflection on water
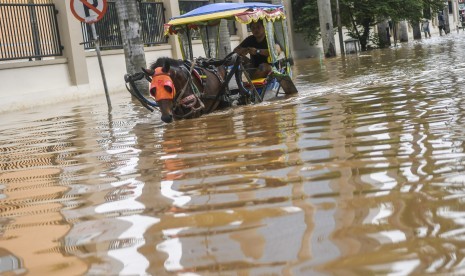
{"x": 361, "y": 173}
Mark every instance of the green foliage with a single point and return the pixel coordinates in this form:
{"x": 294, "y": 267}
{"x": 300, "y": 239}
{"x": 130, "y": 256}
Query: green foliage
{"x": 306, "y": 20}
{"x": 361, "y": 16}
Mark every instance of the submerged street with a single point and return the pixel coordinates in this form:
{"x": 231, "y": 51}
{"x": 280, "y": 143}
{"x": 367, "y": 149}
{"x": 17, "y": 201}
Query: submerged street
{"x": 361, "y": 173}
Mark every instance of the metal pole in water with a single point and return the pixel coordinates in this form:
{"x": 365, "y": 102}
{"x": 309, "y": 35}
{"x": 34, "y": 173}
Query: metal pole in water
{"x": 97, "y": 48}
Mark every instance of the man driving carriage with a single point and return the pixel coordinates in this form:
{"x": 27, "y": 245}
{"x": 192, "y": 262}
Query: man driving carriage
{"x": 257, "y": 47}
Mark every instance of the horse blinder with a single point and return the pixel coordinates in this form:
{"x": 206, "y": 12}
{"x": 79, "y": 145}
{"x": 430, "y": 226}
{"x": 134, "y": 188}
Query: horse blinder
{"x": 162, "y": 87}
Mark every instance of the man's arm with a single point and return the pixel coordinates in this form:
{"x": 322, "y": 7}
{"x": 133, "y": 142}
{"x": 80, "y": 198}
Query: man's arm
{"x": 241, "y": 50}
{"x": 248, "y": 46}
{"x": 251, "y": 51}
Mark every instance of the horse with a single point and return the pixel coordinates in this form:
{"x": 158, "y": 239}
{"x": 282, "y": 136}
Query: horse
{"x": 183, "y": 89}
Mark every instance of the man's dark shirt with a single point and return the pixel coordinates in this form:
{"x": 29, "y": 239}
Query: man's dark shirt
{"x": 256, "y": 59}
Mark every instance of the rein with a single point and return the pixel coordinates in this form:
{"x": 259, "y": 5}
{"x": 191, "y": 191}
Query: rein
{"x": 196, "y": 94}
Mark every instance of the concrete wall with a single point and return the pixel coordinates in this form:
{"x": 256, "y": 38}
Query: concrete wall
{"x": 27, "y": 84}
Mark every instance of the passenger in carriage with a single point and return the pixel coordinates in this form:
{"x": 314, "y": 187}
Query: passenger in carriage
{"x": 257, "y": 47}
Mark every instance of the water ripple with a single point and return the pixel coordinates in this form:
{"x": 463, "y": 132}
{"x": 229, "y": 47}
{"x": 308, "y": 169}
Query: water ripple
{"x": 363, "y": 172}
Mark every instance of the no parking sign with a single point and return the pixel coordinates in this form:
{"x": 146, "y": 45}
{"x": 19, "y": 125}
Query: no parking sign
{"x": 91, "y": 11}
{"x": 88, "y": 11}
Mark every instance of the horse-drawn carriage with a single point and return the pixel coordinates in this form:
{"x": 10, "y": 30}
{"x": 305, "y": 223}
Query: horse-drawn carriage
{"x": 192, "y": 86}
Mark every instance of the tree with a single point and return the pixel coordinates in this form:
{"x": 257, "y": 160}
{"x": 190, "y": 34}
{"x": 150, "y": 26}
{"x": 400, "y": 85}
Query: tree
{"x": 129, "y": 22}
{"x": 360, "y": 16}
{"x": 326, "y": 28}
{"x": 306, "y": 20}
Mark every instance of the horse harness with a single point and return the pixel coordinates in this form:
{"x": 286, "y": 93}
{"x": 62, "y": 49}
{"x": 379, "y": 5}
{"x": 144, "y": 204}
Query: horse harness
{"x": 198, "y": 72}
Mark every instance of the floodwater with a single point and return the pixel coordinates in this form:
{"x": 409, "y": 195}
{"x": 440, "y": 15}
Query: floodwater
{"x": 362, "y": 173}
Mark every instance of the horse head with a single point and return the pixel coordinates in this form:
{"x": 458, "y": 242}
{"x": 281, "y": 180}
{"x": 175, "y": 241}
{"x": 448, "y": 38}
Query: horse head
{"x": 172, "y": 89}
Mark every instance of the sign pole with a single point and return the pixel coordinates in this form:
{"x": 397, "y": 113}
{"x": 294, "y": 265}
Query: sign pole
{"x": 90, "y": 13}
{"x": 97, "y": 49}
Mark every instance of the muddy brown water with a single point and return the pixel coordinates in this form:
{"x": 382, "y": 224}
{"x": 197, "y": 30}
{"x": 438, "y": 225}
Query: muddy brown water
{"x": 362, "y": 173}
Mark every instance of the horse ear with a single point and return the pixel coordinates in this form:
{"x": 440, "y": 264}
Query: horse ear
{"x": 148, "y": 72}
{"x": 166, "y": 67}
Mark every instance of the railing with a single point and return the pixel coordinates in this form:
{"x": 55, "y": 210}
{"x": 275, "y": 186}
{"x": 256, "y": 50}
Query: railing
{"x": 29, "y": 31}
{"x": 152, "y": 21}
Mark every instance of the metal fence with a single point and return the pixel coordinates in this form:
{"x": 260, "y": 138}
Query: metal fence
{"x": 27, "y": 1}
{"x": 29, "y": 31}
{"x": 109, "y": 32}
{"x": 152, "y": 19}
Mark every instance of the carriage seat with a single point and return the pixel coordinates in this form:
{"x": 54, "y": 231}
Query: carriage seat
{"x": 257, "y": 82}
